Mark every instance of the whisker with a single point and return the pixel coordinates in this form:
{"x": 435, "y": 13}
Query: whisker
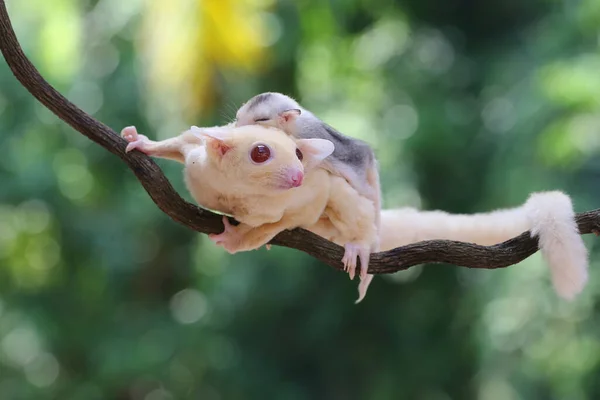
{"x": 224, "y": 116}
{"x": 225, "y": 113}
{"x": 232, "y": 108}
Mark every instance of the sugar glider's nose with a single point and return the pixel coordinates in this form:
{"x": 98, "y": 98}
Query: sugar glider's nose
{"x": 296, "y": 177}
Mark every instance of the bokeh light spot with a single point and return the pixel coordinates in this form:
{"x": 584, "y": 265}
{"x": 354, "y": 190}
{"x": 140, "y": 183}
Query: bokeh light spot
{"x": 499, "y": 115}
{"x": 34, "y": 216}
{"x": 21, "y": 345}
{"x": 188, "y": 306}
{"x": 43, "y": 370}
{"x": 401, "y": 121}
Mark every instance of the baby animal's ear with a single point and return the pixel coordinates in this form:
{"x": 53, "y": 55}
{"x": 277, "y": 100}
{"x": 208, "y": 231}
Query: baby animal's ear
{"x": 315, "y": 150}
{"x": 219, "y": 139}
{"x": 289, "y": 115}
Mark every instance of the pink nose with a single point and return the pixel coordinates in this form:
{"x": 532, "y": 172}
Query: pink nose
{"x": 296, "y": 178}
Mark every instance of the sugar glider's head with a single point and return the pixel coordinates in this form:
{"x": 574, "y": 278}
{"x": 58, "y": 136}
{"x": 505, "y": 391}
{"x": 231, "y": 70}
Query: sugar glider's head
{"x": 269, "y": 109}
{"x": 260, "y": 157}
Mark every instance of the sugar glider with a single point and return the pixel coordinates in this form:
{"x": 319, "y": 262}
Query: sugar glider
{"x": 269, "y": 182}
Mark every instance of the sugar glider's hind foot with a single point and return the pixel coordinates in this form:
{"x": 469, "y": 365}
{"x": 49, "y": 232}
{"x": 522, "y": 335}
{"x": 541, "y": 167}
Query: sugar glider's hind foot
{"x": 352, "y": 252}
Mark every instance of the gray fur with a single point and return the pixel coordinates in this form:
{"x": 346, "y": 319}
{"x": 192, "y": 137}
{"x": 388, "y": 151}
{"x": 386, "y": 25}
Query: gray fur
{"x": 258, "y": 99}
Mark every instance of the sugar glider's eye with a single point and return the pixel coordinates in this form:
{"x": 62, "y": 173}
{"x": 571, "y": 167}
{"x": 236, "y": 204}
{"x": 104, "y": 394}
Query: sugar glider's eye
{"x": 260, "y": 153}
{"x": 261, "y": 119}
{"x": 299, "y": 154}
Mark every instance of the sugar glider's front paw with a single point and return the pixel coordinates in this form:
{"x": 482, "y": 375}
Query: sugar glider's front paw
{"x": 136, "y": 141}
{"x": 229, "y": 239}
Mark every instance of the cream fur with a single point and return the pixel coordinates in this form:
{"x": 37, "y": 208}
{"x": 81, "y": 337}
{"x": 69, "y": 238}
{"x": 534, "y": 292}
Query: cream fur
{"x": 305, "y": 124}
{"x": 231, "y": 184}
{"x": 548, "y": 215}
{"x": 329, "y": 206}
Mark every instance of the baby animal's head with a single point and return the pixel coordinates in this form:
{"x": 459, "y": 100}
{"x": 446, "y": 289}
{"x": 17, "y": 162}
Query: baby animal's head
{"x": 269, "y": 109}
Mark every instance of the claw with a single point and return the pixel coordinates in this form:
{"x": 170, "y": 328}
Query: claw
{"x": 133, "y": 146}
{"x": 349, "y": 260}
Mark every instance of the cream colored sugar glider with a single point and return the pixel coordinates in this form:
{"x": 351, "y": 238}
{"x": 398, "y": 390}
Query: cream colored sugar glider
{"x": 352, "y": 159}
{"x": 548, "y": 215}
{"x": 269, "y": 182}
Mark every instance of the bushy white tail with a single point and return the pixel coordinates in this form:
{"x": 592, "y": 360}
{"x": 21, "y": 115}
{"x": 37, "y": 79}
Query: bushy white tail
{"x": 551, "y": 218}
{"x": 548, "y": 215}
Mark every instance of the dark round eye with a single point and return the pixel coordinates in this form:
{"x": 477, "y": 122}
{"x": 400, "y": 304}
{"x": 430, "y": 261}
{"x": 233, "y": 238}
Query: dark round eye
{"x": 299, "y": 154}
{"x": 260, "y": 153}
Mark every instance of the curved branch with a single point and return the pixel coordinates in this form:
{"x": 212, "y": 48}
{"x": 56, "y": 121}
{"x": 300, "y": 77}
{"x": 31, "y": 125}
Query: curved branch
{"x": 166, "y": 198}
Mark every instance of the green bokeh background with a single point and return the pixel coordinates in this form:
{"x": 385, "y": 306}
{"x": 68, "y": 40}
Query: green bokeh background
{"x": 470, "y": 106}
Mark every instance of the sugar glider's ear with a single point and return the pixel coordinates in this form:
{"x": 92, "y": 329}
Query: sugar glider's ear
{"x": 217, "y": 138}
{"x": 314, "y": 150}
{"x": 221, "y": 133}
{"x": 288, "y": 116}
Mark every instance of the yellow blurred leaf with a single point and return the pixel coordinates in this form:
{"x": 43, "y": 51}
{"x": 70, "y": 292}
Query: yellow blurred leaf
{"x": 184, "y": 42}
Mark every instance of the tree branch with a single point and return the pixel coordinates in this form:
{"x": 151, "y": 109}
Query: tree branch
{"x": 187, "y": 214}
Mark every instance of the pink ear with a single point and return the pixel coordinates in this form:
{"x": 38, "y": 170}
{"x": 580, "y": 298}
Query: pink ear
{"x": 215, "y": 138}
{"x": 219, "y": 146}
{"x": 289, "y": 115}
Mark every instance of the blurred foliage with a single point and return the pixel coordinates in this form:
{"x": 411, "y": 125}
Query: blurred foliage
{"x": 470, "y": 106}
